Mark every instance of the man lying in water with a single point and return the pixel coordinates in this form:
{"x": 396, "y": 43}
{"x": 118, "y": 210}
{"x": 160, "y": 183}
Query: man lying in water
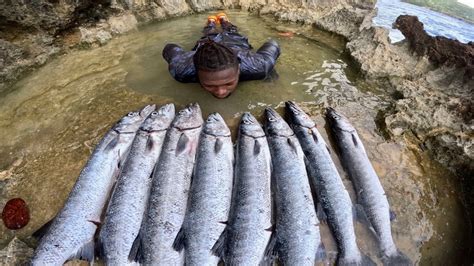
{"x": 221, "y": 59}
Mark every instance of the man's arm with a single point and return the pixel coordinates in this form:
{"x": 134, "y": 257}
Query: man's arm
{"x": 259, "y": 65}
{"x": 180, "y": 63}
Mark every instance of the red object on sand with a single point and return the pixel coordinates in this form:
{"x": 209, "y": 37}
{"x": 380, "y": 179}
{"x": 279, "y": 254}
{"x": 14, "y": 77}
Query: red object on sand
{"x": 15, "y": 214}
{"x": 286, "y": 34}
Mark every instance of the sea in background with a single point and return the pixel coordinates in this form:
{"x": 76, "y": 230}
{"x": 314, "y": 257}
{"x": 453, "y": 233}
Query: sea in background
{"x": 435, "y": 23}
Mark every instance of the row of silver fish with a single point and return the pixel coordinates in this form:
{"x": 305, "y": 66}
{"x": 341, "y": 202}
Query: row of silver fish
{"x": 181, "y": 198}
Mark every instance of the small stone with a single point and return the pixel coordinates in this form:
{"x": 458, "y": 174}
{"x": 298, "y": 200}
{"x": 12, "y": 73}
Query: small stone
{"x": 16, "y": 253}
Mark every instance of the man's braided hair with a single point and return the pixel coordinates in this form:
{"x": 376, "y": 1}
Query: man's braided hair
{"x": 212, "y": 56}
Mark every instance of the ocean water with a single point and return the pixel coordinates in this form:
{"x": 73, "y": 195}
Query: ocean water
{"x": 435, "y": 23}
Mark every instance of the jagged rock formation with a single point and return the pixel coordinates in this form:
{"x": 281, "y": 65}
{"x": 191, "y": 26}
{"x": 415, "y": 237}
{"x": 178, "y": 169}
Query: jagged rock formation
{"x": 440, "y": 50}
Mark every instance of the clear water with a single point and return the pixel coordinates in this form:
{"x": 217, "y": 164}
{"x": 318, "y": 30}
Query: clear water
{"x": 436, "y": 24}
{"x": 51, "y": 120}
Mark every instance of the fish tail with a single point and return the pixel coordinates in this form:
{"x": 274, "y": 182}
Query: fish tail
{"x": 397, "y": 259}
{"x": 366, "y": 260}
{"x": 363, "y": 260}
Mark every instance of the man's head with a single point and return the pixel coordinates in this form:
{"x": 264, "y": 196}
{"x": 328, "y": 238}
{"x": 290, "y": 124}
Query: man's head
{"x": 217, "y": 67}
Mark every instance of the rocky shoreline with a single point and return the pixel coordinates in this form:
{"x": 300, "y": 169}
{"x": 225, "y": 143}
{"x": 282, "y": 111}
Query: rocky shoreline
{"x": 433, "y": 103}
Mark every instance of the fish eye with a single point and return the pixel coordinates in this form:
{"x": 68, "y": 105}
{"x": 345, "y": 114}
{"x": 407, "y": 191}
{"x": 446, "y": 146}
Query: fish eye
{"x": 247, "y": 122}
{"x": 271, "y": 119}
{"x": 131, "y": 114}
{"x": 154, "y": 113}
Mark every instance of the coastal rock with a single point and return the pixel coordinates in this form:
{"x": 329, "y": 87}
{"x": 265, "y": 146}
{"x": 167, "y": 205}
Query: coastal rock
{"x": 94, "y": 35}
{"x": 439, "y": 114}
{"x": 440, "y": 50}
{"x": 122, "y": 24}
{"x": 16, "y": 253}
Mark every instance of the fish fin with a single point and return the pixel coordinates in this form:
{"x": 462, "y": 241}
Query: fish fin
{"x": 346, "y": 261}
{"x": 315, "y": 136}
{"x": 218, "y": 145}
{"x": 179, "y": 243}
{"x": 354, "y": 139}
{"x": 219, "y": 247}
{"x": 354, "y": 213}
{"x": 321, "y": 214}
{"x": 86, "y": 252}
{"x": 329, "y": 150}
{"x": 331, "y": 257}
{"x": 99, "y": 246}
{"x": 271, "y": 228}
{"x": 320, "y": 252}
{"x": 398, "y": 259}
{"x": 362, "y": 217}
{"x": 183, "y": 142}
{"x": 38, "y": 234}
{"x": 292, "y": 145}
{"x": 271, "y": 251}
{"x": 112, "y": 144}
{"x": 366, "y": 260}
{"x": 149, "y": 143}
{"x": 256, "y": 147}
{"x": 393, "y": 216}
{"x": 136, "y": 254}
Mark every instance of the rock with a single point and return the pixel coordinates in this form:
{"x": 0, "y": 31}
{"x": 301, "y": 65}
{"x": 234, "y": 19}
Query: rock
{"x": 16, "y": 253}
{"x": 122, "y": 24}
{"x": 440, "y": 50}
{"x": 94, "y": 35}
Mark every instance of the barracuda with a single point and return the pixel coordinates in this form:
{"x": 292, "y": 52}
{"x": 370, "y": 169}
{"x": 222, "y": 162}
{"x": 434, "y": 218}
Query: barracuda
{"x": 247, "y": 233}
{"x": 370, "y": 193}
{"x": 210, "y": 195}
{"x": 71, "y": 234}
{"x": 129, "y": 199}
{"x": 169, "y": 191}
{"x": 332, "y": 195}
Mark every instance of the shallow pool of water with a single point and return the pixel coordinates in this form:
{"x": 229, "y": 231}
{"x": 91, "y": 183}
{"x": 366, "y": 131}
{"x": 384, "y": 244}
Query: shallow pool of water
{"x": 51, "y": 120}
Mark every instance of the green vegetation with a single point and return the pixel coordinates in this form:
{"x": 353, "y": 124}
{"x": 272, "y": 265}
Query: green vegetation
{"x": 449, "y": 7}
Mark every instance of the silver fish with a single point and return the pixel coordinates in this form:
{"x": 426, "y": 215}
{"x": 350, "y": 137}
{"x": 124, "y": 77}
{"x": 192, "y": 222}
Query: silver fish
{"x": 71, "y": 234}
{"x": 129, "y": 199}
{"x": 210, "y": 195}
{"x": 247, "y": 233}
{"x": 370, "y": 193}
{"x": 296, "y": 239}
{"x": 332, "y": 195}
{"x": 169, "y": 191}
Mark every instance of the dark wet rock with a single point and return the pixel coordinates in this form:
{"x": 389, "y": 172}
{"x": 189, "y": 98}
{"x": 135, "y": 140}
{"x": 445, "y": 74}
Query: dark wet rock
{"x": 52, "y": 15}
{"x": 16, "y": 253}
{"x": 440, "y": 50}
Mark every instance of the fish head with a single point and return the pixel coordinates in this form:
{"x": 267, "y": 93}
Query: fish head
{"x": 216, "y": 126}
{"x": 159, "y": 119}
{"x": 297, "y": 116}
{"x": 132, "y": 121}
{"x": 249, "y": 126}
{"x": 189, "y": 117}
{"x": 337, "y": 121}
{"x": 275, "y": 124}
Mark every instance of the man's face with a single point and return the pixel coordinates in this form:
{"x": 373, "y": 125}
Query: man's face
{"x": 220, "y": 83}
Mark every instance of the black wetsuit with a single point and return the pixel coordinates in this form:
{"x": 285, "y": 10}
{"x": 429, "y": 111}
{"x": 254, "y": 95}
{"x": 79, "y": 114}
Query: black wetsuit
{"x": 253, "y": 65}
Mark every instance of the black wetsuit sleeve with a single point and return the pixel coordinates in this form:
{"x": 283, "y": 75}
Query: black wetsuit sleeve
{"x": 259, "y": 64}
{"x": 180, "y": 63}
